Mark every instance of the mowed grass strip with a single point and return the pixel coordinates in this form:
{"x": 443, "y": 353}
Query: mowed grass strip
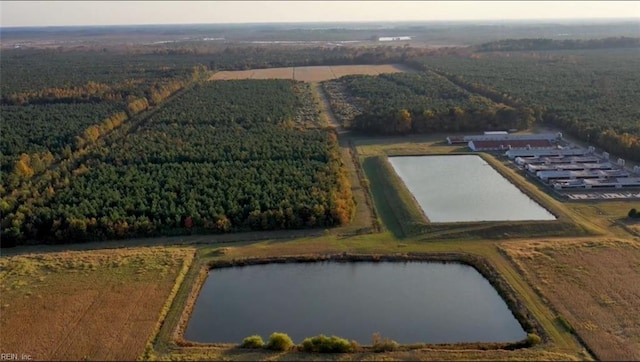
{"x": 402, "y": 215}
{"x": 97, "y": 305}
{"x": 395, "y": 204}
{"x": 417, "y": 354}
{"x": 594, "y": 285}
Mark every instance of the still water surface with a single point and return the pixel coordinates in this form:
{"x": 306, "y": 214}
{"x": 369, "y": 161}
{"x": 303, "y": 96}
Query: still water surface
{"x": 464, "y": 188}
{"x": 408, "y": 302}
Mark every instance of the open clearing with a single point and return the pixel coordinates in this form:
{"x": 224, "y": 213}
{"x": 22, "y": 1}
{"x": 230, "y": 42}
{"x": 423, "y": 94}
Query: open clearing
{"x": 308, "y": 74}
{"x": 595, "y": 286}
{"x": 98, "y": 305}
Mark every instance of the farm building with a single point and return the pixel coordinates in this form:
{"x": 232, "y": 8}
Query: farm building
{"x": 524, "y": 161}
{"x": 513, "y": 137}
{"x": 394, "y": 38}
{"x": 584, "y": 174}
{"x": 548, "y": 152}
{"x": 618, "y": 182}
{"x": 533, "y": 168}
{"x": 504, "y": 136}
{"x": 497, "y": 145}
{"x": 452, "y": 140}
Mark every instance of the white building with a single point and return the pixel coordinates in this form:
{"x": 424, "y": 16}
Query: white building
{"x": 394, "y": 38}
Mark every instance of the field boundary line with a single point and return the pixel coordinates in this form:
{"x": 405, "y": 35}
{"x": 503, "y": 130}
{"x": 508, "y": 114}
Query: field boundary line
{"x": 186, "y": 266}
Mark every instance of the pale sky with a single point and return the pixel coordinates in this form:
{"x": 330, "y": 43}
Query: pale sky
{"x": 53, "y": 13}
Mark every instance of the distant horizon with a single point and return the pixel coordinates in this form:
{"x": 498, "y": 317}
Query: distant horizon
{"x": 18, "y": 14}
{"x": 426, "y": 22}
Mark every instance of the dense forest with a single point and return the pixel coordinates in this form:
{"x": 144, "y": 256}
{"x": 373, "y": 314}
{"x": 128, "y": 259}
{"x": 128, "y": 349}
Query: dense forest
{"x": 224, "y": 156}
{"x": 590, "y": 94}
{"x": 36, "y": 70}
{"x": 418, "y": 102}
{"x": 127, "y": 141}
{"x": 556, "y": 44}
{"x": 55, "y": 107}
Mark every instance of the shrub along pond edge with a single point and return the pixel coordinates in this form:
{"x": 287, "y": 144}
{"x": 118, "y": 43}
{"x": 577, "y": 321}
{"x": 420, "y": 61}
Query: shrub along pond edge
{"x": 535, "y": 331}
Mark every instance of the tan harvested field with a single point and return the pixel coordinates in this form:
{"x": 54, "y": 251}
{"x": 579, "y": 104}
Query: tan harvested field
{"x": 314, "y": 74}
{"x": 232, "y": 75}
{"x": 308, "y": 74}
{"x": 594, "y": 285}
{"x": 97, "y": 305}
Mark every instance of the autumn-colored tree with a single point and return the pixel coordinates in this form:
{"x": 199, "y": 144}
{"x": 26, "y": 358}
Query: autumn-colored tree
{"x": 23, "y": 166}
{"x": 403, "y": 121}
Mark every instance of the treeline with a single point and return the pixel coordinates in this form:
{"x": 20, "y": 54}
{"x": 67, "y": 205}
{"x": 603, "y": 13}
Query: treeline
{"x": 591, "y": 95}
{"x": 154, "y": 89}
{"x": 556, "y": 44}
{"x": 225, "y": 156}
{"x": 421, "y": 103}
{"x": 32, "y": 70}
{"x": 273, "y": 56}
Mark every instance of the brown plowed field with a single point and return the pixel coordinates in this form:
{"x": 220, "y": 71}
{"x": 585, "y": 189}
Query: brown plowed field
{"x": 595, "y": 286}
{"x": 97, "y": 305}
{"x": 308, "y": 74}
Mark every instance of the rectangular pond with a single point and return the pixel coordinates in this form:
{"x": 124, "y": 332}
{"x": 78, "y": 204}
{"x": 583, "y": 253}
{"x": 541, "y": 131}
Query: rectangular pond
{"x": 409, "y": 302}
{"x": 464, "y": 188}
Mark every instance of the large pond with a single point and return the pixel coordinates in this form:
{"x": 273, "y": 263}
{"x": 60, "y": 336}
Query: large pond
{"x": 464, "y": 188}
{"x": 409, "y": 302}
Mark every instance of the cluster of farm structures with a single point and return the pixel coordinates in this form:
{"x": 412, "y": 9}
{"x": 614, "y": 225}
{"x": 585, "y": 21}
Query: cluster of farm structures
{"x": 556, "y": 163}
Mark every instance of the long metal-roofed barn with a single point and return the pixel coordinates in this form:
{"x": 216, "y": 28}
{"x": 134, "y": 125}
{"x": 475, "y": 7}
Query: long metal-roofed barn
{"x": 582, "y": 174}
{"x": 550, "y": 160}
{"x": 547, "y": 152}
{"x": 618, "y": 182}
{"x": 568, "y": 166}
{"x": 489, "y": 145}
{"x": 504, "y": 138}
{"x": 502, "y": 141}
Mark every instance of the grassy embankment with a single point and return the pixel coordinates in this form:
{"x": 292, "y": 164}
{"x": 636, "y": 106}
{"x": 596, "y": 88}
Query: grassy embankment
{"x": 400, "y": 212}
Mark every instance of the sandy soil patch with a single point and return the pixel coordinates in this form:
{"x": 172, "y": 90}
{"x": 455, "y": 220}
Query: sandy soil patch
{"x": 314, "y": 74}
{"x": 273, "y": 73}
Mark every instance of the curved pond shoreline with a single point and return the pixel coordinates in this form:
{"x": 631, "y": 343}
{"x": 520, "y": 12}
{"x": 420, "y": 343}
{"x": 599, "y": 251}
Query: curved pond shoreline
{"x": 481, "y": 265}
